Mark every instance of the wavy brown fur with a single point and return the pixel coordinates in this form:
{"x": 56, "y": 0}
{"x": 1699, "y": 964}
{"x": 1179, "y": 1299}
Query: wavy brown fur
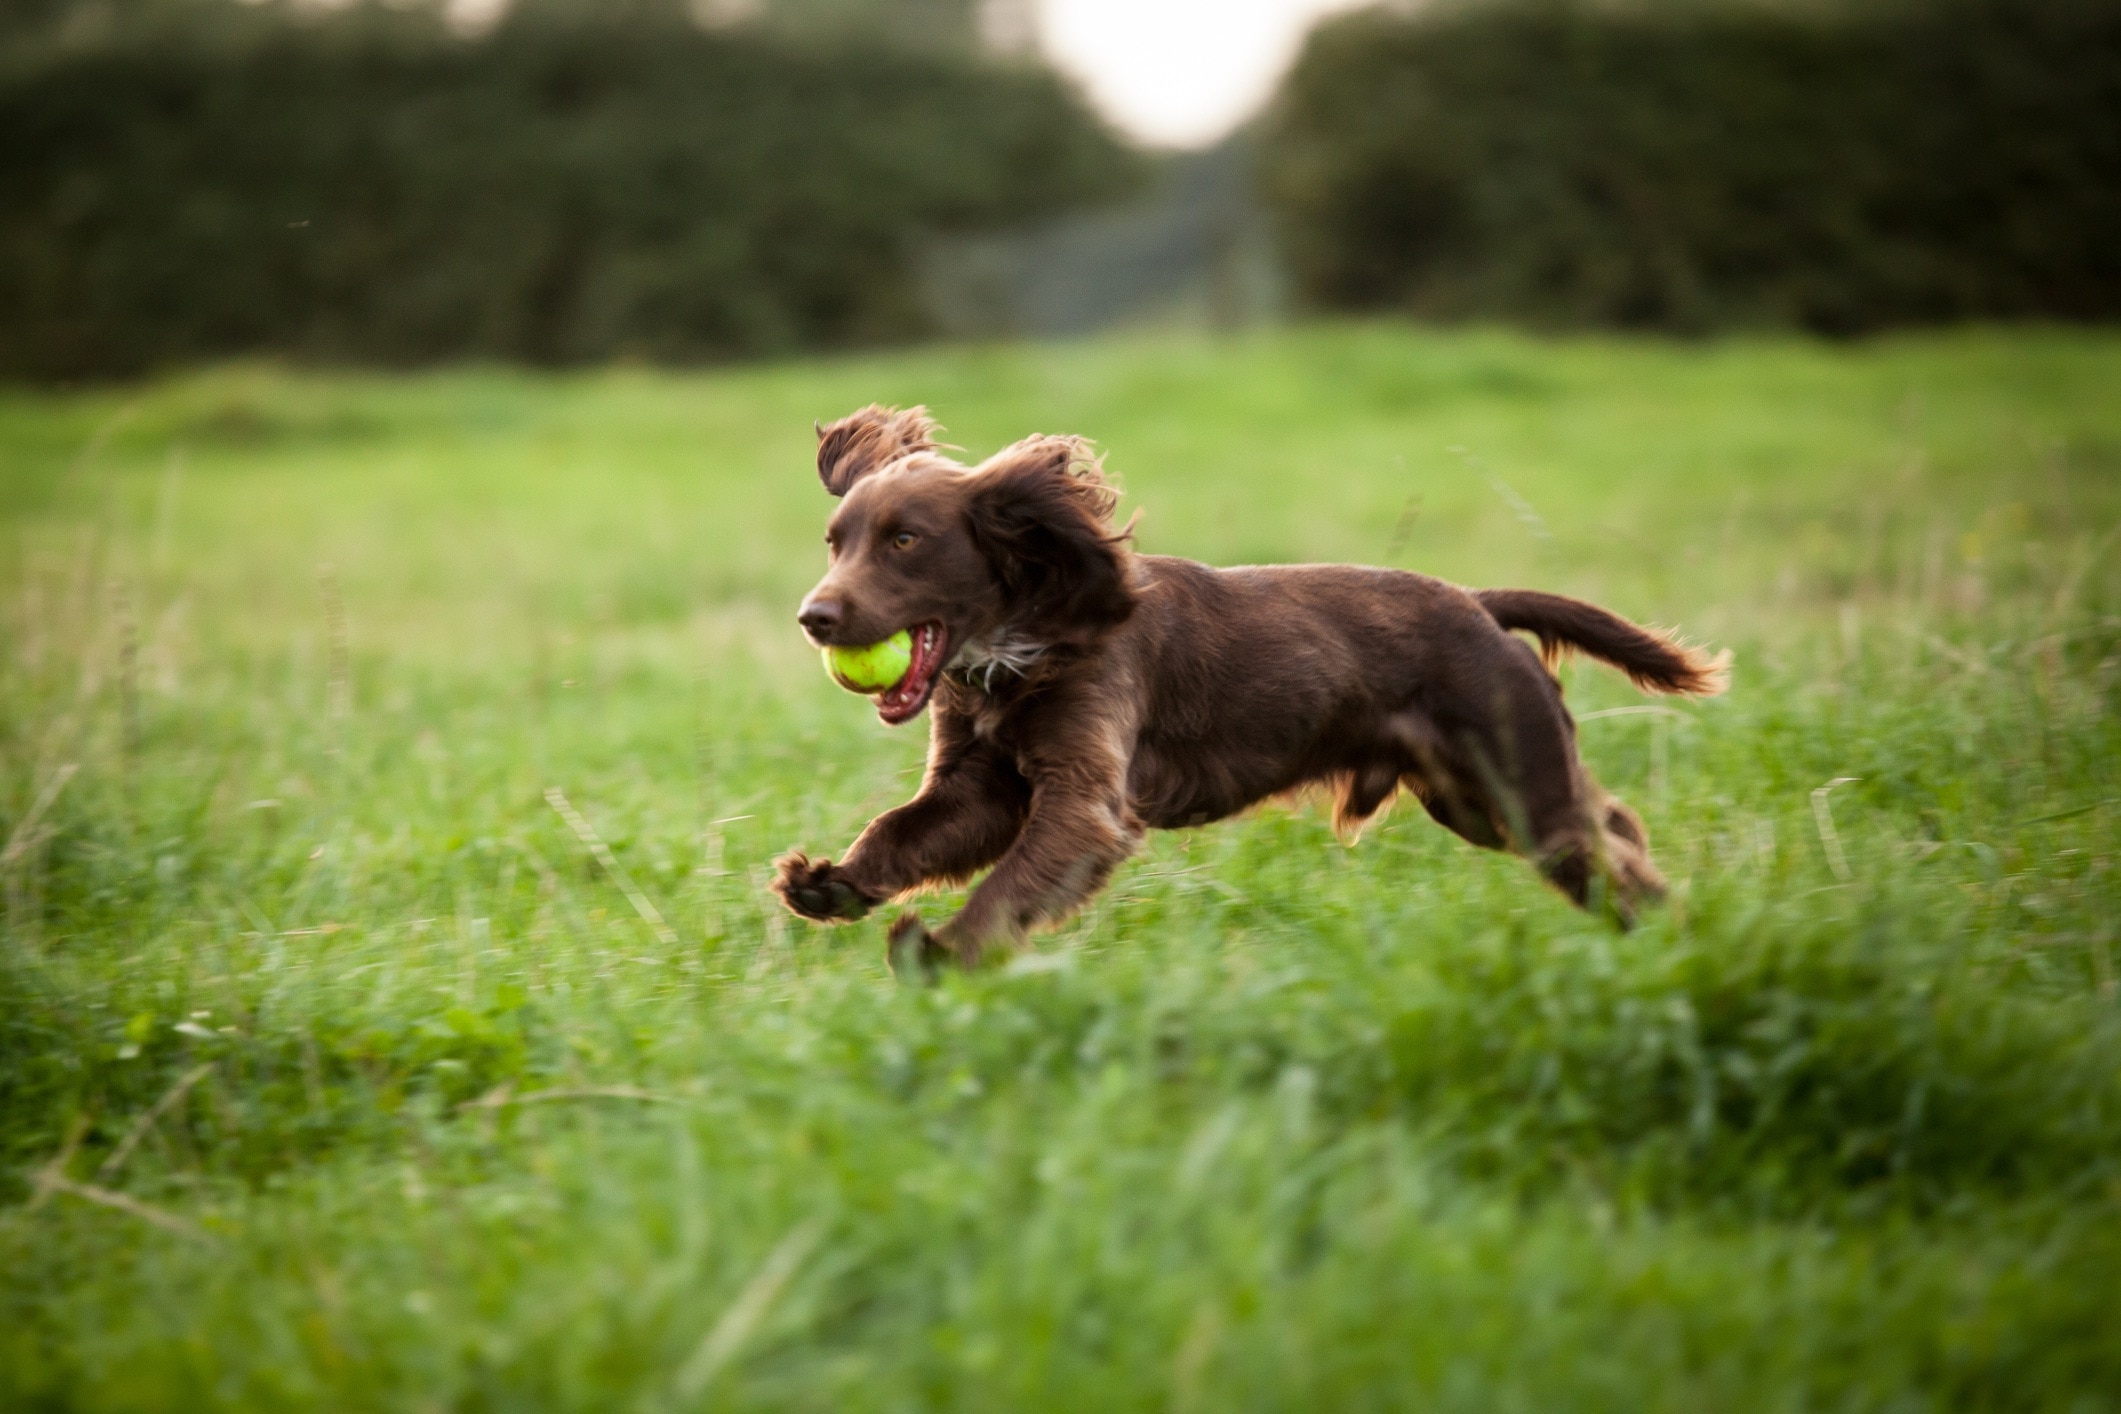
{"x": 1150, "y": 692}
{"x": 1652, "y": 660}
{"x": 861, "y": 442}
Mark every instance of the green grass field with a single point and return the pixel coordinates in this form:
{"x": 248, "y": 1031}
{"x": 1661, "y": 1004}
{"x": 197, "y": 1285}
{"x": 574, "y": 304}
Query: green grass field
{"x": 337, "y": 1071}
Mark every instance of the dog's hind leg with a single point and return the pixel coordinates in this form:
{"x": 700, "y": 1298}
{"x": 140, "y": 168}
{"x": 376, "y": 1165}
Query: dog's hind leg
{"x": 1461, "y": 808}
{"x": 1442, "y": 780}
{"x": 1626, "y": 850}
{"x": 1516, "y": 737}
{"x": 1591, "y": 846}
{"x": 1363, "y": 791}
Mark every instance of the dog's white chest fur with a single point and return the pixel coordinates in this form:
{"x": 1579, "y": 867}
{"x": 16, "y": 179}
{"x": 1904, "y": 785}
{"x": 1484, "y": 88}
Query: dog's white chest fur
{"x": 1002, "y": 651}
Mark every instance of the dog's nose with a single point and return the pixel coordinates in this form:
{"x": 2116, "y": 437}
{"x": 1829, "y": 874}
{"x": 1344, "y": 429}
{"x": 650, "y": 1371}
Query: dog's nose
{"x": 820, "y": 616}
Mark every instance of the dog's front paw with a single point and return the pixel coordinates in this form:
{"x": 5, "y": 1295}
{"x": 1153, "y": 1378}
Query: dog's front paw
{"x": 912, "y": 950}
{"x": 917, "y": 955}
{"x": 815, "y": 889}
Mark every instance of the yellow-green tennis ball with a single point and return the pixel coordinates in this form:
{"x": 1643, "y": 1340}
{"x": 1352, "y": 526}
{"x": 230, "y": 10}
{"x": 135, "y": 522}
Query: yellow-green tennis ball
{"x": 877, "y": 668}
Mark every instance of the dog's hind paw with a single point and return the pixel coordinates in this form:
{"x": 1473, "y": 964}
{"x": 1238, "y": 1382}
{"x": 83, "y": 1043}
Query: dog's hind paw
{"x": 814, "y": 889}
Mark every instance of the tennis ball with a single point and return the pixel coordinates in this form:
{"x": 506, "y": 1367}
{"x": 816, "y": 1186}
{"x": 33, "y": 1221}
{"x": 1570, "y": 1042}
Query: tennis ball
{"x": 876, "y": 668}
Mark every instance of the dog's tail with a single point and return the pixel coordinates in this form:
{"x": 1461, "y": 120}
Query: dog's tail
{"x": 1655, "y": 661}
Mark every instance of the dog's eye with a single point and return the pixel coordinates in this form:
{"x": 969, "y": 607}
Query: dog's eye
{"x": 904, "y": 539}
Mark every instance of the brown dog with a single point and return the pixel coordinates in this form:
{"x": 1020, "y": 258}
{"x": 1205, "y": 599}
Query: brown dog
{"x": 1083, "y": 693}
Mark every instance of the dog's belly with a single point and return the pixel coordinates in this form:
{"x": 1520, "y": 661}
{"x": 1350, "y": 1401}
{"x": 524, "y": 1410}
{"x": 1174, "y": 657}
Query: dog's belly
{"x": 1174, "y": 790}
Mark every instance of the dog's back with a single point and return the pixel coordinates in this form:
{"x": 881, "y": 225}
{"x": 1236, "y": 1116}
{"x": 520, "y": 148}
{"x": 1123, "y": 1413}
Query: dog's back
{"x": 1260, "y": 679}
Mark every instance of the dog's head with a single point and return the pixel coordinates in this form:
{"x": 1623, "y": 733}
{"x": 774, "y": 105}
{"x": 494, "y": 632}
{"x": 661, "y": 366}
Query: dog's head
{"x": 1021, "y": 545}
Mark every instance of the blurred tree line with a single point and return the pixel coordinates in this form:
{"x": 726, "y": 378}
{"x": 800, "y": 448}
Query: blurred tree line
{"x": 569, "y": 180}
{"x": 961, "y": 25}
{"x": 1693, "y": 165}
{"x": 561, "y": 181}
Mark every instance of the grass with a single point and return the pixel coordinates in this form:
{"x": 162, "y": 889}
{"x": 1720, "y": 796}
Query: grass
{"x": 336, "y": 1070}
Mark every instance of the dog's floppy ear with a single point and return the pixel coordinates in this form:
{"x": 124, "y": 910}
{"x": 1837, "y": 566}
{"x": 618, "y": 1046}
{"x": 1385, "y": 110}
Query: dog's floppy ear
{"x": 1041, "y": 512}
{"x": 861, "y": 442}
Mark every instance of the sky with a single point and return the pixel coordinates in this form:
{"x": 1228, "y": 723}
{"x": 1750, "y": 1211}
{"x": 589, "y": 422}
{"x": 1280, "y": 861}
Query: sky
{"x": 1177, "y": 73}
{"x": 1170, "y": 73}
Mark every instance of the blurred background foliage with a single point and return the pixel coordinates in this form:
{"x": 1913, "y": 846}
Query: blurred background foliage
{"x": 579, "y": 183}
{"x": 571, "y": 181}
{"x": 1692, "y": 166}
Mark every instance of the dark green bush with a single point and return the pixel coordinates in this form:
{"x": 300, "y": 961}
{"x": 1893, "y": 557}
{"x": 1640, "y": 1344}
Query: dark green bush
{"x": 1840, "y": 169}
{"x": 557, "y": 192}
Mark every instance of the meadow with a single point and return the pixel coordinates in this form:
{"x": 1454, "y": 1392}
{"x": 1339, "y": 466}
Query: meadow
{"x": 393, "y": 1014}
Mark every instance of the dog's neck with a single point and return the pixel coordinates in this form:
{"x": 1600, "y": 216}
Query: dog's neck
{"x": 1004, "y": 650}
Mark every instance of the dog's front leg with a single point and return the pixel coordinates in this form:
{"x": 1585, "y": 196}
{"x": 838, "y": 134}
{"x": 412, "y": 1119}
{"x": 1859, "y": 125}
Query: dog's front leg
{"x": 1078, "y": 831}
{"x": 968, "y": 811}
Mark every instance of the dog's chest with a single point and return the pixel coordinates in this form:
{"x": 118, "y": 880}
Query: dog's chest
{"x": 1002, "y": 654}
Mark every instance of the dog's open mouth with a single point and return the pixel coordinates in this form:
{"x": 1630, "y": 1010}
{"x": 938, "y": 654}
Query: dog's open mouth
{"x": 904, "y": 702}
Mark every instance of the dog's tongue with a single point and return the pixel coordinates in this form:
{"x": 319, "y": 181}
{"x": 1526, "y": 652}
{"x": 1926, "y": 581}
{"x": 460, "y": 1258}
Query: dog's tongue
{"x": 901, "y": 699}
